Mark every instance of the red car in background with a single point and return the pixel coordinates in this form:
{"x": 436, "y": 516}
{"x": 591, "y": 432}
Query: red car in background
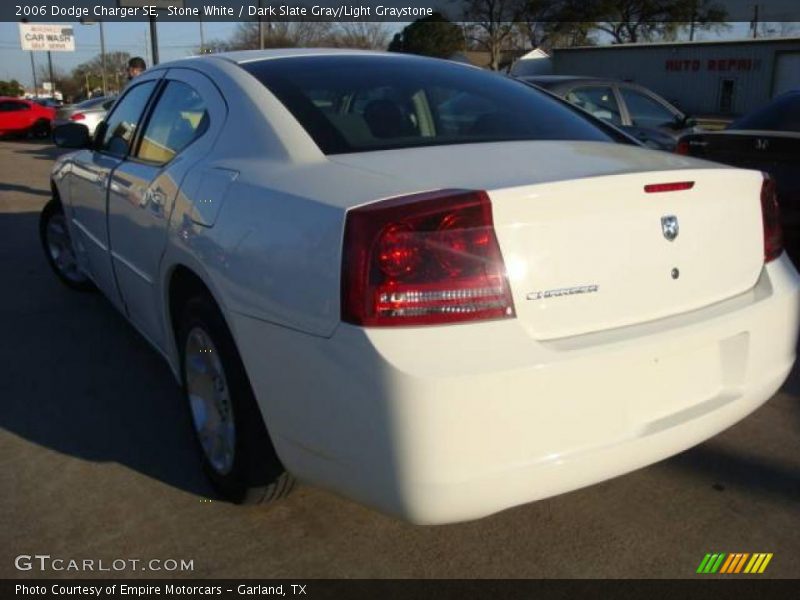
{"x": 20, "y": 117}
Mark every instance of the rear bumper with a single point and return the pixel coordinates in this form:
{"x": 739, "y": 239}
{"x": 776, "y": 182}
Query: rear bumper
{"x": 453, "y": 423}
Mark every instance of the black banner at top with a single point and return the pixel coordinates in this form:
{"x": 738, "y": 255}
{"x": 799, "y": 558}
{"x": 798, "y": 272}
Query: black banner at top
{"x": 49, "y": 11}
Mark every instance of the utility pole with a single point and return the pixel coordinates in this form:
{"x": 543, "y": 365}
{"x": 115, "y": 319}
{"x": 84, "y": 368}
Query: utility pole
{"x": 52, "y": 82}
{"x": 154, "y": 40}
{"x": 103, "y": 57}
{"x": 102, "y": 52}
{"x": 260, "y": 28}
{"x": 754, "y": 24}
{"x": 202, "y": 36}
{"x": 33, "y": 72}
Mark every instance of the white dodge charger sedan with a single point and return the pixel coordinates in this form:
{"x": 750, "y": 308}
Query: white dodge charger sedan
{"x": 432, "y": 289}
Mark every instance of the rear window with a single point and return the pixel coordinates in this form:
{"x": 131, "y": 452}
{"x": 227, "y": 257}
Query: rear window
{"x": 363, "y": 103}
{"x": 92, "y": 102}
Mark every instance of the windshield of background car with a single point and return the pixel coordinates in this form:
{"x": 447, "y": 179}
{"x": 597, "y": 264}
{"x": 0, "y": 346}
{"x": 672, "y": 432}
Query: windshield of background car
{"x": 781, "y": 115}
{"x": 363, "y": 103}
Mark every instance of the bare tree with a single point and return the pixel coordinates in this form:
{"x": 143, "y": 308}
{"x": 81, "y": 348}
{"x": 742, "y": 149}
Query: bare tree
{"x": 360, "y": 34}
{"x": 632, "y": 21}
{"x": 491, "y": 25}
{"x": 774, "y": 29}
{"x": 277, "y": 34}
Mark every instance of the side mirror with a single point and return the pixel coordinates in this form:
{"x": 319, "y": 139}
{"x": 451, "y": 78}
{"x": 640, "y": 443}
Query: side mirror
{"x": 685, "y": 122}
{"x": 72, "y": 135}
{"x": 99, "y": 133}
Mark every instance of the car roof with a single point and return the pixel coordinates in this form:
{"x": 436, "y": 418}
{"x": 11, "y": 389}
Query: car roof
{"x": 554, "y": 81}
{"x": 243, "y": 56}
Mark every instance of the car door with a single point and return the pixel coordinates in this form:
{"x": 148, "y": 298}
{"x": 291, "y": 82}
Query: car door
{"x": 6, "y": 107}
{"x": 88, "y": 185}
{"x": 182, "y": 123}
{"x": 15, "y": 115}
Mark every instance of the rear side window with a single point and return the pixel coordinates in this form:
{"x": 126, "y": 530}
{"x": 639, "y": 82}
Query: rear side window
{"x": 178, "y": 118}
{"x": 598, "y": 101}
{"x": 783, "y": 114}
{"x": 646, "y": 111}
{"x": 363, "y": 103}
{"x": 124, "y": 120}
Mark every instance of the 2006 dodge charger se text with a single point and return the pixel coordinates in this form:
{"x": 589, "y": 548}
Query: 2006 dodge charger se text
{"x": 427, "y": 287}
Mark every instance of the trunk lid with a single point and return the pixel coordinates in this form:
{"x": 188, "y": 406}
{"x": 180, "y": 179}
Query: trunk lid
{"x": 583, "y": 243}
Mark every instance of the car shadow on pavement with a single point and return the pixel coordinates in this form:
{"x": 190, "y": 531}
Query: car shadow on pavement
{"x": 78, "y": 379}
{"x": 728, "y": 467}
{"x": 39, "y": 149}
{"x": 24, "y": 189}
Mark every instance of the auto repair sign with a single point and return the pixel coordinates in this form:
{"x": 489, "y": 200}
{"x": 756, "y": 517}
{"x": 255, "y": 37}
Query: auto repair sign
{"x": 54, "y": 38}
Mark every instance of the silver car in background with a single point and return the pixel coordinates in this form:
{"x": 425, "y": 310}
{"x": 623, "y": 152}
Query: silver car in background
{"x": 89, "y": 112}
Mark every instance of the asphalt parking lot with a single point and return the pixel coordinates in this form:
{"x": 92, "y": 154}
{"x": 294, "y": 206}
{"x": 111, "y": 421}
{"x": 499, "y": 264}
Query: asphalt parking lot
{"x": 96, "y": 461}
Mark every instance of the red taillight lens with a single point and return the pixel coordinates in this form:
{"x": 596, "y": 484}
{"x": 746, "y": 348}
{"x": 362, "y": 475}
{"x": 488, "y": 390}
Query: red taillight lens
{"x": 673, "y": 186}
{"x": 682, "y": 147}
{"x": 424, "y": 259}
{"x": 771, "y": 217}
{"x": 77, "y": 117}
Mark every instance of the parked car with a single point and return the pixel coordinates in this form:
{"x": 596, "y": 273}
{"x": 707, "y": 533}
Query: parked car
{"x": 439, "y": 315}
{"x": 23, "y": 117}
{"x": 631, "y": 107}
{"x": 767, "y": 139}
{"x": 48, "y": 102}
{"x": 89, "y": 112}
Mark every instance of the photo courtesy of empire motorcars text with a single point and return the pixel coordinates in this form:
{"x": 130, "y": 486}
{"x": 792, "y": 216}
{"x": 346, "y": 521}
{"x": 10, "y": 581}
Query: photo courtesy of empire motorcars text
{"x": 386, "y": 299}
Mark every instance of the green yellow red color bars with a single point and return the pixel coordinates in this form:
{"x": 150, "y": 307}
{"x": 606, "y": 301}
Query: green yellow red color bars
{"x": 735, "y": 562}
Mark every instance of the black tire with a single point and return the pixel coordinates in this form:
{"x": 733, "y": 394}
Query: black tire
{"x": 74, "y": 280}
{"x": 41, "y": 129}
{"x": 257, "y": 475}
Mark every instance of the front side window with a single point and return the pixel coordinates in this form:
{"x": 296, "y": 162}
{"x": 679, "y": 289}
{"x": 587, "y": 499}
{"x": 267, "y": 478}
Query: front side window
{"x": 598, "y": 101}
{"x": 13, "y": 106}
{"x": 646, "y": 111}
{"x": 179, "y": 117}
{"x": 364, "y": 103}
{"x": 122, "y": 123}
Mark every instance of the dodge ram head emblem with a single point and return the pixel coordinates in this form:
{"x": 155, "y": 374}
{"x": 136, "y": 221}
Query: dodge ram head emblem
{"x": 669, "y": 227}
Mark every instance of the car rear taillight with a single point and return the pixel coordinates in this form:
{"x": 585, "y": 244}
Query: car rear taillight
{"x": 77, "y": 117}
{"x": 424, "y": 259}
{"x": 682, "y": 147}
{"x": 672, "y": 186}
{"x": 771, "y": 217}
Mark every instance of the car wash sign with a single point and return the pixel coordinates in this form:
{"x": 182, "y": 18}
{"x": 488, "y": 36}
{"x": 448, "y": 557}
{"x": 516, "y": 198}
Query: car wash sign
{"x": 53, "y": 38}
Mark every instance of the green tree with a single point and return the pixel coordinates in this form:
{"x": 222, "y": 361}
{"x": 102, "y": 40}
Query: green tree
{"x": 430, "y": 36}
{"x": 11, "y": 88}
{"x": 90, "y": 73}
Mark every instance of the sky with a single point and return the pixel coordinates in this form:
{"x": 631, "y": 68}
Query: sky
{"x": 176, "y": 40}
